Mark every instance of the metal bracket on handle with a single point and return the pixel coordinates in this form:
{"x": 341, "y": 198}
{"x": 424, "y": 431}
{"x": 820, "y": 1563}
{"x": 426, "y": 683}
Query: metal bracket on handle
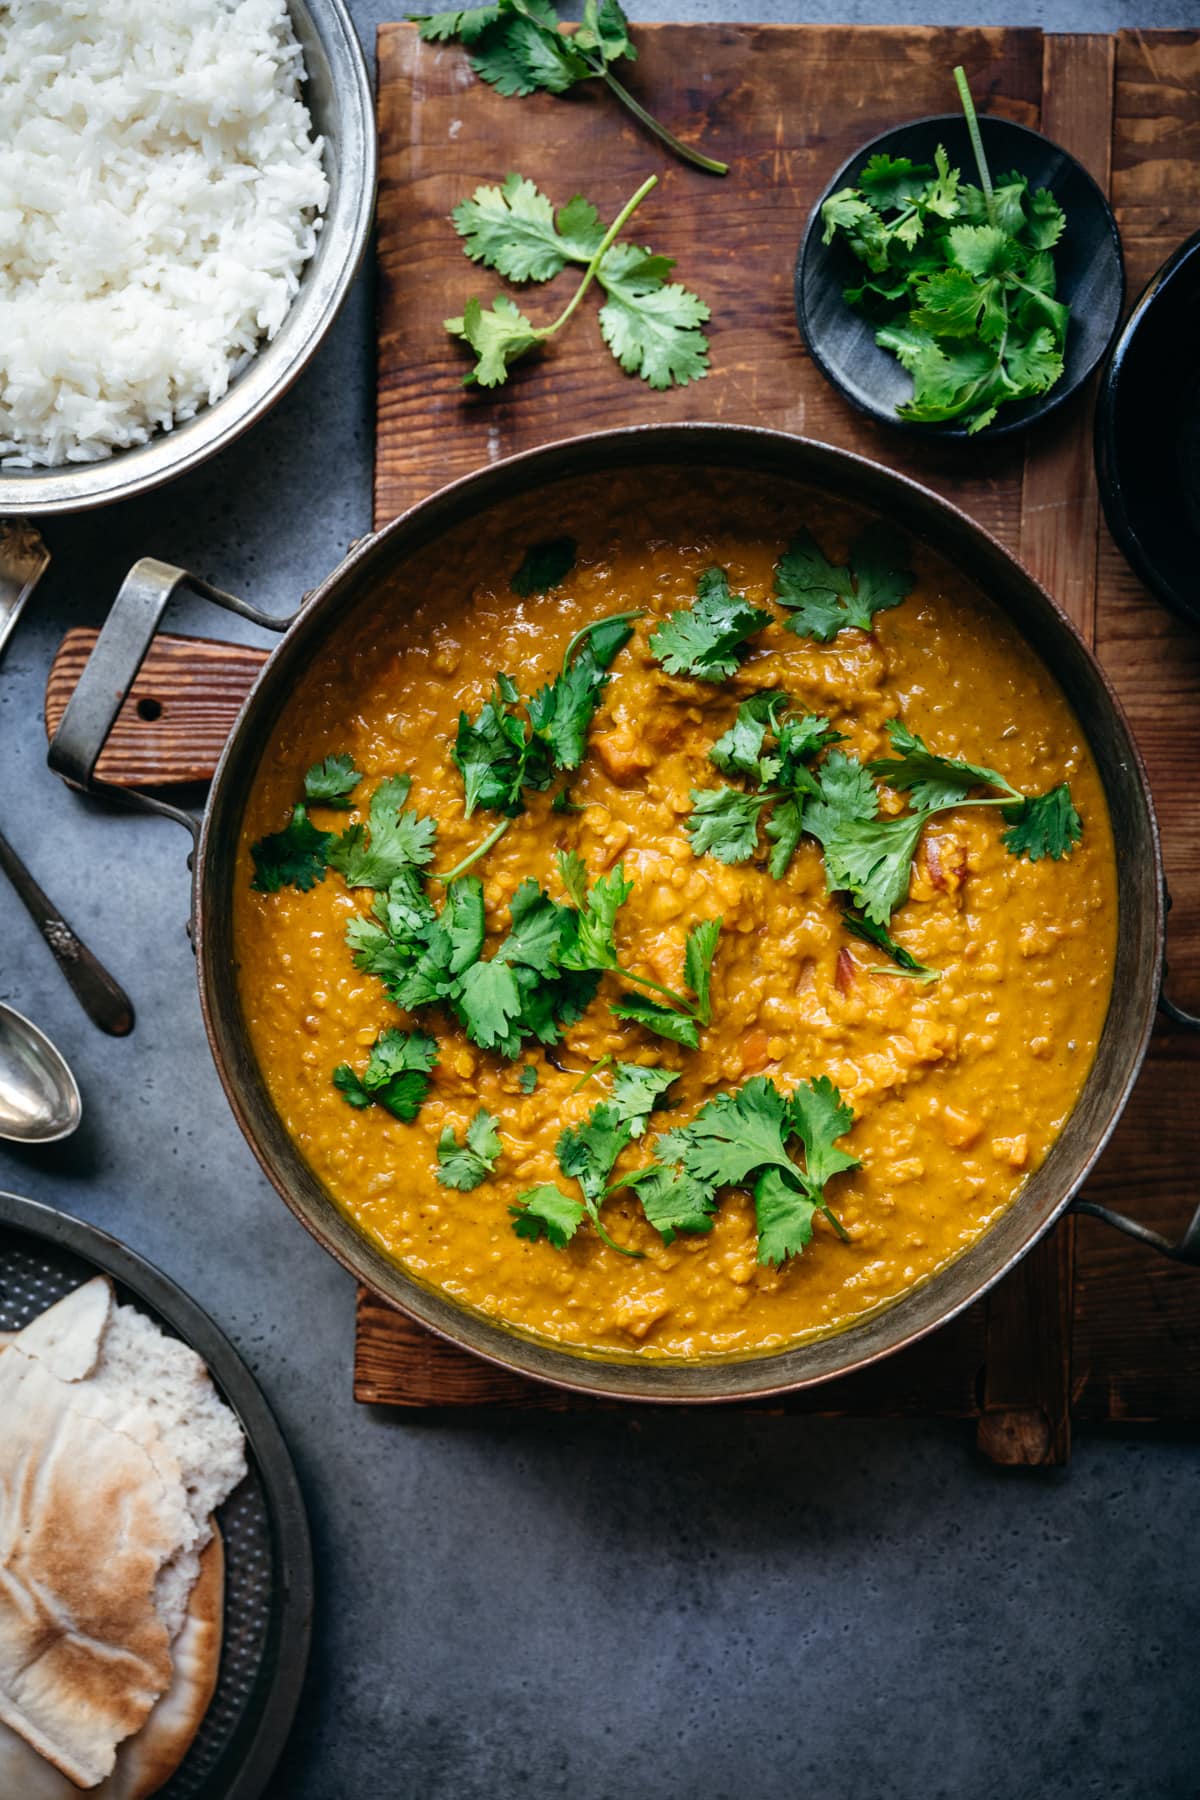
{"x": 111, "y": 670}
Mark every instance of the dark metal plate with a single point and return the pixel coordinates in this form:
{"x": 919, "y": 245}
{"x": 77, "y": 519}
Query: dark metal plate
{"x": 268, "y": 1559}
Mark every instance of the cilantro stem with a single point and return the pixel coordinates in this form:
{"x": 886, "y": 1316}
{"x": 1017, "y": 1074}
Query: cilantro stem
{"x": 594, "y": 1214}
{"x": 589, "y": 1075}
{"x": 708, "y": 163}
{"x": 968, "y": 106}
{"x": 493, "y": 836}
{"x": 656, "y": 987}
{"x": 589, "y": 274}
{"x": 905, "y": 974}
{"x": 835, "y": 1222}
{"x": 587, "y": 630}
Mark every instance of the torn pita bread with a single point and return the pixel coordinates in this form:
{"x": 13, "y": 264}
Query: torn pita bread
{"x": 67, "y": 1336}
{"x": 86, "y": 1524}
{"x": 152, "y": 1451}
{"x": 145, "y": 1763}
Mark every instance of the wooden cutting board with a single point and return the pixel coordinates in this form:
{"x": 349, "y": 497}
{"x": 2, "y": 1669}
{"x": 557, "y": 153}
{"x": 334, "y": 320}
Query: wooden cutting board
{"x": 1089, "y": 1327}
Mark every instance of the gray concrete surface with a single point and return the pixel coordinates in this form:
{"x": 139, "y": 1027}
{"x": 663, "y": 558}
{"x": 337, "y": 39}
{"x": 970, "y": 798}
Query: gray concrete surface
{"x": 698, "y": 1608}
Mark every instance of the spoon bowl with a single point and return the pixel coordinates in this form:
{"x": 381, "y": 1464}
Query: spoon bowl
{"x": 39, "y": 1098}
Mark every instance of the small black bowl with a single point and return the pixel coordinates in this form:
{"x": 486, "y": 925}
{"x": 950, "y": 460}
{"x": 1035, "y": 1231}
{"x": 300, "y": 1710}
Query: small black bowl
{"x": 1148, "y": 435}
{"x": 1091, "y": 273}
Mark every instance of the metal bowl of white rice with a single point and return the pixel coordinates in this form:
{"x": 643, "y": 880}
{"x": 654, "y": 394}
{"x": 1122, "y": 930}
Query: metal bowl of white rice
{"x": 183, "y": 206}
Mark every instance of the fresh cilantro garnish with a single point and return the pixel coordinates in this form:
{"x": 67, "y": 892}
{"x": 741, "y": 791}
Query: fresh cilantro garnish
{"x": 870, "y": 933}
{"x": 845, "y": 793}
{"x": 294, "y": 857}
{"x": 398, "y": 839}
{"x": 1045, "y": 825}
{"x": 824, "y": 599}
{"x": 528, "y": 1078}
{"x": 703, "y": 640}
{"x": 770, "y": 746}
{"x": 595, "y": 947}
{"x": 587, "y": 1154}
{"x": 544, "y": 566}
{"x": 546, "y": 1210}
{"x": 516, "y": 744}
{"x": 663, "y": 1021}
{"x": 871, "y": 858}
{"x": 517, "y": 47}
{"x": 651, "y": 325}
{"x": 959, "y": 280}
{"x": 742, "y": 1139}
{"x": 698, "y": 955}
{"x": 331, "y": 782}
{"x": 466, "y": 1165}
{"x": 396, "y": 1076}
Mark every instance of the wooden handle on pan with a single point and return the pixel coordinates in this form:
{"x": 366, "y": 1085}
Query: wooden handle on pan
{"x": 178, "y": 713}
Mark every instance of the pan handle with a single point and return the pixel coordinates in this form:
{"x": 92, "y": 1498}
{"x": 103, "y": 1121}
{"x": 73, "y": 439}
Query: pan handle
{"x": 1187, "y": 1250}
{"x": 111, "y": 670}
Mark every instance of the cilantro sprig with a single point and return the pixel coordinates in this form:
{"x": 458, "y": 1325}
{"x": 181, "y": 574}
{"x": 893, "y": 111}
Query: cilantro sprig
{"x": 871, "y": 858}
{"x": 771, "y": 749}
{"x": 651, "y": 325}
{"x": 294, "y": 857}
{"x": 587, "y": 1154}
{"x": 960, "y": 280}
{"x": 396, "y": 1076}
{"x": 824, "y": 598}
{"x": 704, "y": 640}
{"x": 517, "y": 46}
{"x": 465, "y": 1166}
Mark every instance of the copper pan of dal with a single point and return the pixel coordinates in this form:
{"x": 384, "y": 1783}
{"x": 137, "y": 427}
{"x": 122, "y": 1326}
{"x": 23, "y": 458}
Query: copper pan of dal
{"x": 744, "y": 452}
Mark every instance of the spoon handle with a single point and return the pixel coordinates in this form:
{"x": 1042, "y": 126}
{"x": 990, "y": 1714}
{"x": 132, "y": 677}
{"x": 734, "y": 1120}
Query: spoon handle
{"x": 103, "y": 1000}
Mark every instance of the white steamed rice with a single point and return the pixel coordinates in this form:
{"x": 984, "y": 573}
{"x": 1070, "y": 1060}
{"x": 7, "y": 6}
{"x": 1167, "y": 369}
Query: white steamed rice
{"x": 160, "y": 194}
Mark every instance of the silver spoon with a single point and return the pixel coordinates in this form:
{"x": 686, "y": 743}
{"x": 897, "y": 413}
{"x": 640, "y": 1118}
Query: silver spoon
{"x": 39, "y": 1099}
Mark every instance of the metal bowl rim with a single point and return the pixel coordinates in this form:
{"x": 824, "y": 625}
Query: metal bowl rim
{"x": 277, "y": 364}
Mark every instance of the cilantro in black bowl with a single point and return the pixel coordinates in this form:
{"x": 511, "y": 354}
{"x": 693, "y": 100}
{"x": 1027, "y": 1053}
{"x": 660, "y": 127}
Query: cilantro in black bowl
{"x": 960, "y": 276}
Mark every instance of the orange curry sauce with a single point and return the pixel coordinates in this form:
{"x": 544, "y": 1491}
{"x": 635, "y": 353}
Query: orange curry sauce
{"x": 959, "y": 1088}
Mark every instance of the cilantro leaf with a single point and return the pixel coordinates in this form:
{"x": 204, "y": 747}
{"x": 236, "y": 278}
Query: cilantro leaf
{"x": 545, "y": 565}
{"x": 1043, "y": 825}
{"x": 932, "y": 781}
{"x": 488, "y": 1002}
{"x": 546, "y": 1210}
{"x": 498, "y": 337}
{"x": 724, "y": 823}
{"x": 538, "y": 925}
{"x": 586, "y": 1153}
{"x": 871, "y": 933}
{"x": 650, "y": 325}
{"x": 703, "y": 640}
{"x": 784, "y": 1213}
{"x": 672, "y": 1200}
{"x": 819, "y": 1116}
{"x": 331, "y": 783}
{"x": 636, "y": 1090}
{"x": 785, "y": 827}
{"x": 825, "y": 598}
{"x": 699, "y": 951}
{"x": 732, "y": 1135}
{"x": 464, "y": 1166}
{"x": 528, "y": 1078}
{"x": 294, "y": 857}
{"x": 396, "y": 1076}
{"x": 871, "y": 859}
{"x": 662, "y": 1021}
{"x": 439, "y": 28}
{"x": 561, "y": 712}
{"x": 595, "y": 942}
{"x": 845, "y": 792}
{"x": 738, "y": 751}
{"x": 398, "y": 839}
{"x": 496, "y": 755}
{"x": 513, "y": 229}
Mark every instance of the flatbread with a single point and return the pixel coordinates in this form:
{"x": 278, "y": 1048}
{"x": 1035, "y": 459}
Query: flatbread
{"x": 67, "y": 1336}
{"x": 86, "y": 1524}
{"x": 145, "y": 1763}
